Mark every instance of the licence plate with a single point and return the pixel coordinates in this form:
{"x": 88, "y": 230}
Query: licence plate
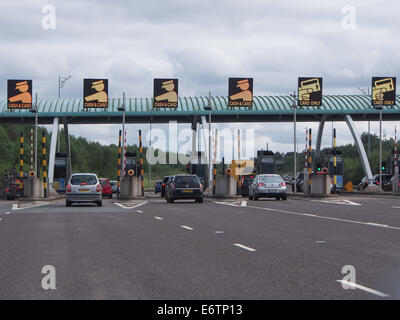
{"x": 272, "y": 190}
{"x": 187, "y": 191}
{"x": 84, "y": 190}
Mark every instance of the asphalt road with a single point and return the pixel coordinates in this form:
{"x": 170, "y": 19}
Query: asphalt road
{"x": 268, "y": 249}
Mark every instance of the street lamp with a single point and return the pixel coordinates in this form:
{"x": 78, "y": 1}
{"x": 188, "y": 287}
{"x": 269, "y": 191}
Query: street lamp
{"x": 123, "y": 110}
{"x": 294, "y": 141}
{"x": 61, "y": 82}
{"x": 35, "y": 110}
{"x": 209, "y": 108}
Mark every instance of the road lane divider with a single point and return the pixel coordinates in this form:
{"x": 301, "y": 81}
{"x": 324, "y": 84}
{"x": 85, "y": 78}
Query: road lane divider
{"x": 369, "y": 290}
{"x": 187, "y": 228}
{"x": 158, "y": 218}
{"x": 244, "y": 247}
{"x": 339, "y": 201}
{"x": 319, "y": 217}
{"x": 129, "y": 206}
{"x": 20, "y": 206}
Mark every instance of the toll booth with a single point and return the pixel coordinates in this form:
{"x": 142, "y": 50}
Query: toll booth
{"x": 339, "y": 169}
{"x": 132, "y": 163}
{"x": 390, "y": 163}
{"x": 199, "y": 170}
{"x": 60, "y": 172}
{"x": 265, "y": 162}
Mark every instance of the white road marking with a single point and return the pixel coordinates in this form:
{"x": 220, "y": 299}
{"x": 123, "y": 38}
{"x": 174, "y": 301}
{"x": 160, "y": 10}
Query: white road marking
{"x": 377, "y": 224}
{"x": 15, "y": 206}
{"x": 159, "y": 218}
{"x": 125, "y": 207}
{"x": 357, "y": 286}
{"x": 319, "y": 217}
{"x": 395, "y": 207}
{"x": 140, "y": 211}
{"x": 320, "y": 241}
{"x": 244, "y": 204}
{"x": 218, "y": 232}
{"x": 8, "y": 212}
{"x": 187, "y": 228}
{"x": 244, "y": 247}
{"x": 339, "y": 201}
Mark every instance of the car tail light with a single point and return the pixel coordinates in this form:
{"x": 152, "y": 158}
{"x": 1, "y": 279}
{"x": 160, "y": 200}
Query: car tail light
{"x": 283, "y": 184}
{"x": 7, "y": 190}
{"x": 98, "y": 188}
{"x": 83, "y": 183}
{"x": 172, "y": 186}
{"x": 163, "y": 184}
{"x": 261, "y": 184}
{"x": 377, "y": 183}
{"x": 201, "y": 187}
{"x": 69, "y": 188}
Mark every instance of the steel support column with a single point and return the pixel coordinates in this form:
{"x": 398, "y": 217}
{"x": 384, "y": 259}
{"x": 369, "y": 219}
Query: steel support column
{"x": 360, "y": 148}
{"x": 52, "y": 155}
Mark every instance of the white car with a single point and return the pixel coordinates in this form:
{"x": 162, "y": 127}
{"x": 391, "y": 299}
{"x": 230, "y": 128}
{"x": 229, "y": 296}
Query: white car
{"x": 83, "y": 188}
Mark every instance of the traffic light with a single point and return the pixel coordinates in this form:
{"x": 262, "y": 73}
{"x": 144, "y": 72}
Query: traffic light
{"x": 383, "y": 166}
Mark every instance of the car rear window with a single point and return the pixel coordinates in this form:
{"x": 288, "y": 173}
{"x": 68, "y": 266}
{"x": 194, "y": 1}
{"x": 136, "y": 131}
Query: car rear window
{"x": 271, "y": 179}
{"x": 189, "y": 181}
{"x": 84, "y": 178}
{"x": 103, "y": 182}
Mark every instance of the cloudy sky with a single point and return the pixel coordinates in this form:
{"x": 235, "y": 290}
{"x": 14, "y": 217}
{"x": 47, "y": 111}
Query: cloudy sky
{"x": 202, "y": 43}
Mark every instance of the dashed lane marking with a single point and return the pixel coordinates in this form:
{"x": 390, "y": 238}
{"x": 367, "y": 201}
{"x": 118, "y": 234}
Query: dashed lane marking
{"x": 159, "y": 218}
{"x": 187, "y": 228}
{"x": 244, "y": 247}
{"x": 369, "y": 290}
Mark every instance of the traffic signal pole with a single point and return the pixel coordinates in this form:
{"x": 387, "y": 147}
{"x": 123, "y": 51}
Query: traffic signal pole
{"x": 396, "y": 167}
{"x": 334, "y": 160}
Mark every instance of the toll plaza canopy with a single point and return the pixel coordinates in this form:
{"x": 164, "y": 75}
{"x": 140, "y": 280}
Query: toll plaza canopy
{"x": 140, "y": 110}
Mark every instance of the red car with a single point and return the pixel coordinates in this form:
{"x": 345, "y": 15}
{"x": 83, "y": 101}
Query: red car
{"x": 106, "y": 187}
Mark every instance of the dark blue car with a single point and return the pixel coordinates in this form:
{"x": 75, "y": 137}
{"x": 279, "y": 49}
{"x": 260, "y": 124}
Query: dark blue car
{"x": 157, "y": 186}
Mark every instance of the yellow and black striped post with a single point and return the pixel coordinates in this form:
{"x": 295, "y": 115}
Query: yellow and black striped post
{"x": 44, "y": 164}
{"x": 239, "y": 181}
{"x": 309, "y": 162}
{"x": 31, "y": 172}
{"x": 141, "y": 162}
{"x": 215, "y": 161}
{"x": 119, "y": 161}
{"x": 334, "y": 160}
{"x": 21, "y": 159}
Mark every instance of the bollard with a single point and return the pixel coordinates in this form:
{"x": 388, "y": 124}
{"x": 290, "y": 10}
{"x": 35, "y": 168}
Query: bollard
{"x": 44, "y": 163}
{"x": 239, "y": 181}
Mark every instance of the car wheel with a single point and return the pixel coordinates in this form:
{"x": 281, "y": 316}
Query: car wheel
{"x": 256, "y": 197}
{"x": 171, "y": 200}
{"x": 99, "y": 203}
{"x": 199, "y": 200}
{"x": 284, "y": 197}
{"x": 277, "y": 198}
{"x": 68, "y": 203}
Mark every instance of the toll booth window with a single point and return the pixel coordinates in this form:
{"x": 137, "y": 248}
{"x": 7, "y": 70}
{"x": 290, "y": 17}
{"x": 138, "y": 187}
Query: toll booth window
{"x": 88, "y": 179}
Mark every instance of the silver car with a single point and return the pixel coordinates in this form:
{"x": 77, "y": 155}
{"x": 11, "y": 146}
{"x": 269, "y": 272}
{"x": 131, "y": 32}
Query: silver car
{"x": 268, "y": 186}
{"x": 83, "y": 188}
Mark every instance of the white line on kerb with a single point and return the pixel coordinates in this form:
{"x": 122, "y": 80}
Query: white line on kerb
{"x": 8, "y": 212}
{"x": 159, "y": 218}
{"x": 244, "y": 247}
{"x": 377, "y": 224}
{"x": 357, "y": 286}
{"x": 187, "y": 228}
